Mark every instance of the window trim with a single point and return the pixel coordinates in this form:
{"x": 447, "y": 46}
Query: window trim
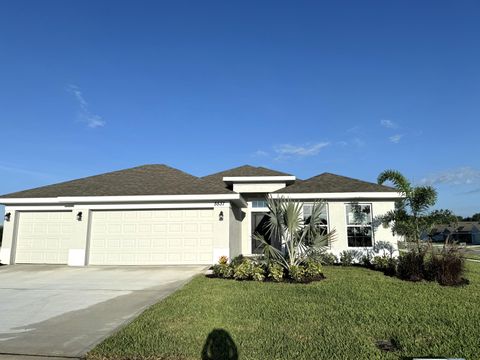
{"x": 257, "y": 209}
{"x": 347, "y": 225}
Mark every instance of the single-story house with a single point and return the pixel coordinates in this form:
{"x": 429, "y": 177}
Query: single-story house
{"x": 155, "y": 215}
{"x": 463, "y": 232}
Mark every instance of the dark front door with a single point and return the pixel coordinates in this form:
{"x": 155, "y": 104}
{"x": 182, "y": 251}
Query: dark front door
{"x": 259, "y": 226}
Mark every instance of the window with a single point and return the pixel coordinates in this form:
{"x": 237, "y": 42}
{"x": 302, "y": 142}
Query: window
{"x": 359, "y": 225}
{"x": 259, "y": 203}
{"x": 307, "y": 213}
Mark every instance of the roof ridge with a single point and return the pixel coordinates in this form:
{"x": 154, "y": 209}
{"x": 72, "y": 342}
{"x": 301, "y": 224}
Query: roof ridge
{"x": 139, "y": 180}
{"x": 324, "y": 183}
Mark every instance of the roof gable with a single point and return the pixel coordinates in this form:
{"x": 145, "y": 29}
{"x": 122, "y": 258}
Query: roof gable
{"x": 244, "y": 171}
{"x": 141, "y": 180}
{"x": 247, "y": 170}
{"x": 331, "y": 183}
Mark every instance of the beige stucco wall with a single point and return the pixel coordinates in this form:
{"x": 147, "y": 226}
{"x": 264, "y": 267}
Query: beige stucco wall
{"x": 338, "y": 220}
{"x": 235, "y": 232}
{"x": 8, "y": 232}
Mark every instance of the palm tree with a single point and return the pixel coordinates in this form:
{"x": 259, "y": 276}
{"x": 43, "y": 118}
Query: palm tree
{"x": 292, "y": 239}
{"x": 411, "y": 215}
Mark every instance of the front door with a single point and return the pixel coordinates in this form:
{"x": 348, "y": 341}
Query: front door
{"x": 259, "y": 226}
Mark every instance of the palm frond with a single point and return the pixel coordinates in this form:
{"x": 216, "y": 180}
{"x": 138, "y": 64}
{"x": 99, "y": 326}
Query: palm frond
{"x": 399, "y": 181}
{"x": 270, "y": 252}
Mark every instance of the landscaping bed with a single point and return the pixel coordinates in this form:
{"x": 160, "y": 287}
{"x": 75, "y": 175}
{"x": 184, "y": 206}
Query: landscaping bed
{"x": 353, "y": 314}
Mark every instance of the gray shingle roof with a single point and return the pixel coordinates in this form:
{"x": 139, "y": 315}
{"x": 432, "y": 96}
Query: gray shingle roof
{"x": 460, "y": 226}
{"x": 141, "y": 180}
{"x": 329, "y": 183}
{"x": 245, "y": 170}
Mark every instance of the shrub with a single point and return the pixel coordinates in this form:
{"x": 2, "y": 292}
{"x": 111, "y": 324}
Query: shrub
{"x": 446, "y": 267}
{"x": 297, "y": 273}
{"x": 367, "y": 258}
{"x": 223, "y": 271}
{"x": 313, "y": 270}
{"x": 380, "y": 262}
{"x": 326, "y": 258}
{"x": 411, "y": 265}
{"x": 258, "y": 272}
{"x": 275, "y": 272}
{"x": 347, "y": 257}
{"x": 237, "y": 260}
{"x": 244, "y": 270}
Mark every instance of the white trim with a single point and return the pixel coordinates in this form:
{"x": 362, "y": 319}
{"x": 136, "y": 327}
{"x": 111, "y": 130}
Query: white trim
{"x": 259, "y": 209}
{"x": 41, "y": 208}
{"x": 150, "y": 206}
{"x": 258, "y": 178}
{"x": 343, "y": 195}
{"x": 103, "y": 199}
{"x": 347, "y": 225}
{"x": 206, "y": 205}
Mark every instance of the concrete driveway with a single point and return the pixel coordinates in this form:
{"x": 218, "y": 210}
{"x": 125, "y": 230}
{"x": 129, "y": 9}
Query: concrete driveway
{"x": 65, "y": 311}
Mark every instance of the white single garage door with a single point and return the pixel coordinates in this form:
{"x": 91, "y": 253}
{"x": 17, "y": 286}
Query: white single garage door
{"x": 151, "y": 237}
{"x": 44, "y": 237}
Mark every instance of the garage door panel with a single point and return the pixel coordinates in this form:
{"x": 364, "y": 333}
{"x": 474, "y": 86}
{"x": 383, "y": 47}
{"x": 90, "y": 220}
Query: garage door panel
{"x": 151, "y": 237}
{"x": 44, "y": 237}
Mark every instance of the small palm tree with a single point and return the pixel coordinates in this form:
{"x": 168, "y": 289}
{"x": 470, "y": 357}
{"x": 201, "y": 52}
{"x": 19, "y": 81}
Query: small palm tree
{"x": 292, "y": 239}
{"x": 410, "y": 216}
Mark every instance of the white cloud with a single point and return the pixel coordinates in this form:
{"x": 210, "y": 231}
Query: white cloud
{"x": 389, "y": 124}
{"x": 260, "y": 153}
{"x": 92, "y": 120}
{"x": 300, "y": 150}
{"x": 395, "y": 138}
{"x": 460, "y": 176}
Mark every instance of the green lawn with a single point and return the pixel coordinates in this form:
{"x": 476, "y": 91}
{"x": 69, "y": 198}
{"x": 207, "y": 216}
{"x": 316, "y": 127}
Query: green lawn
{"x": 341, "y": 317}
{"x": 473, "y": 256}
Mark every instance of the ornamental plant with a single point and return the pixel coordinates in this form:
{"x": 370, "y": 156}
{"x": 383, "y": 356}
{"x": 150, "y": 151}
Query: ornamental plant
{"x": 292, "y": 240}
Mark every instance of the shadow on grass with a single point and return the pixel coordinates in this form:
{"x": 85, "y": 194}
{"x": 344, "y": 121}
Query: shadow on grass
{"x": 219, "y": 346}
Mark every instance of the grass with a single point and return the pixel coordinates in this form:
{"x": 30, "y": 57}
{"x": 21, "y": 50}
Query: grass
{"x": 341, "y": 317}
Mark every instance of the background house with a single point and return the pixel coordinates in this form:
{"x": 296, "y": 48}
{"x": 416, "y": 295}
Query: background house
{"x": 463, "y": 231}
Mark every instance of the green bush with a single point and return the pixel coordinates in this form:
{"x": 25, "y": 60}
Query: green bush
{"x": 346, "y": 258}
{"x": 243, "y": 271}
{"x": 326, "y": 258}
{"x": 223, "y": 271}
{"x": 297, "y": 273}
{"x": 313, "y": 269}
{"x": 275, "y": 272}
{"x": 237, "y": 260}
{"x": 411, "y": 265}
{"x": 367, "y": 259}
{"x": 258, "y": 272}
{"x": 385, "y": 263}
{"x": 446, "y": 267}
{"x": 380, "y": 262}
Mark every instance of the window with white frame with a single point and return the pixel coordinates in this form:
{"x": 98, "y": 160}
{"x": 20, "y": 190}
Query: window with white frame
{"x": 259, "y": 203}
{"x": 359, "y": 225}
{"x": 307, "y": 214}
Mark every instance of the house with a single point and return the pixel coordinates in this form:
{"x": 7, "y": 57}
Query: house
{"x": 155, "y": 214}
{"x": 463, "y": 232}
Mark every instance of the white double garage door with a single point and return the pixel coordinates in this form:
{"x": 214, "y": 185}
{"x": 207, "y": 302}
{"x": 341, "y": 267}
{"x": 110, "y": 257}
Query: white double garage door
{"x": 118, "y": 237}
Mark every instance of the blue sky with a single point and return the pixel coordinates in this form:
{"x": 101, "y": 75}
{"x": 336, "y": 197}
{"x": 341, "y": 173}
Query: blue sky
{"x": 349, "y": 87}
